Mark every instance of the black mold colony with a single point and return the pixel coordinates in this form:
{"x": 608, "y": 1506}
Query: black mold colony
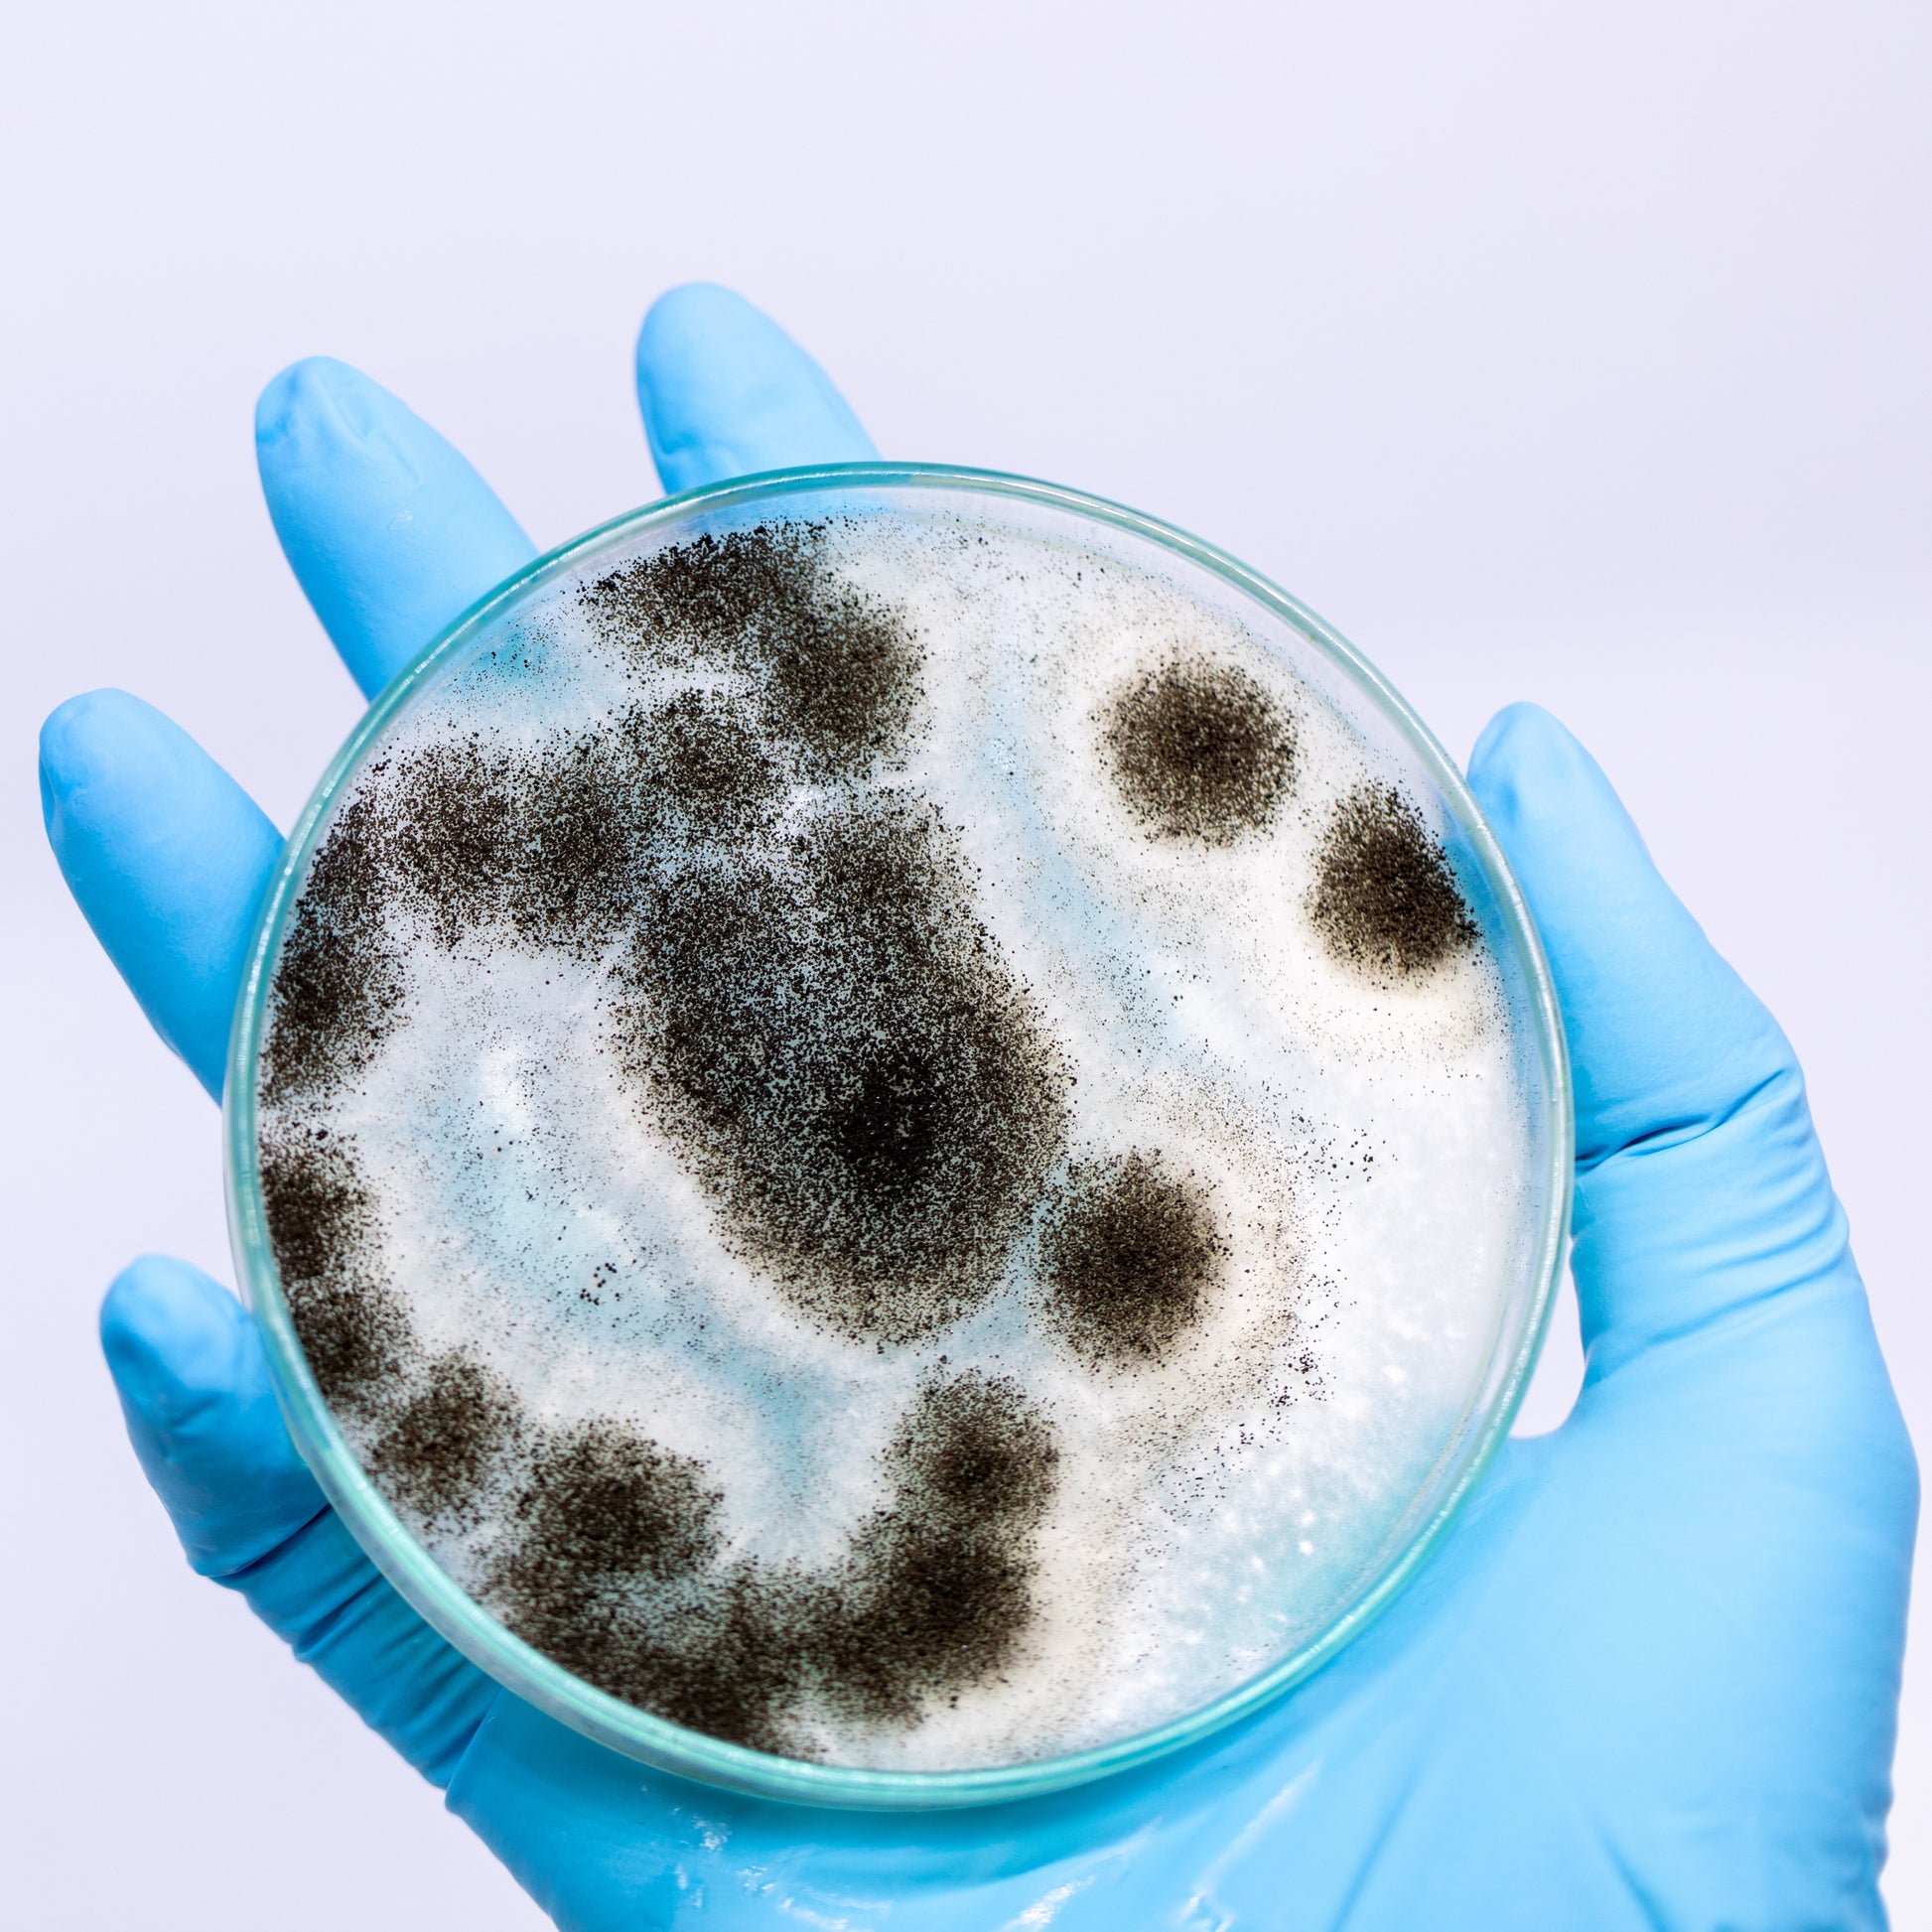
{"x": 849, "y": 1068}
{"x": 930, "y": 1596}
{"x": 435, "y": 1453}
{"x": 337, "y": 981}
{"x": 1128, "y": 1259}
{"x": 1384, "y": 897}
{"x": 817, "y": 1013}
{"x": 1199, "y": 751}
{"x": 839, "y": 672}
{"x": 805, "y": 999}
{"x": 328, "y": 1249}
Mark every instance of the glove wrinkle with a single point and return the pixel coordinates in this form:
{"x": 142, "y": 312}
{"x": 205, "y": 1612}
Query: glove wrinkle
{"x": 1674, "y": 1239}
{"x": 1662, "y": 1136}
{"x": 343, "y": 1618}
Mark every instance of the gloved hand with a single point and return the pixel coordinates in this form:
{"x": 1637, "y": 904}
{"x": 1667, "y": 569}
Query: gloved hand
{"x": 1649, "y": 1679}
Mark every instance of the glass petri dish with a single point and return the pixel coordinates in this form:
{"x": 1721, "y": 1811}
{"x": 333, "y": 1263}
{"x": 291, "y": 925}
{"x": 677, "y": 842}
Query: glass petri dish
{"x": 1040, "y": 559}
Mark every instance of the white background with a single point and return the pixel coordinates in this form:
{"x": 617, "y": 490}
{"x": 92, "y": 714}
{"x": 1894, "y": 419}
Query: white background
{"x": 1565, "y": 351}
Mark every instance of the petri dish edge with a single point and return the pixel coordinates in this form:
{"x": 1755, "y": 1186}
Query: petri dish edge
{"x": 655, "y": 1742}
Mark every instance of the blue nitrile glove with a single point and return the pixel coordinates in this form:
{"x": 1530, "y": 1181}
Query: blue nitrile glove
{"x": 1649, "y": 1680}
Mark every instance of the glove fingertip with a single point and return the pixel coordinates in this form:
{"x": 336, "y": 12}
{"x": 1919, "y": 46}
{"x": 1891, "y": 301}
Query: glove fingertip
{"x": 167, "y": 1331}
{"x": 166, "y": 856}
{"x": 388, "y": 527}
{"x": 726, "y": 391}
{"x": 66, "y": 739}
{"x": 695, "y": 317}
{"x": 65, "y": 736}
{"x": 194, "y": 1386}
{"x": 316, "y": 395}
{"x": 1581, "y": 861}
{"x": 104, "y": 729}
{"x": 1524, "y": 754}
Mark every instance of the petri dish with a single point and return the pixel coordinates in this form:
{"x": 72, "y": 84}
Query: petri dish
{"x": 899, "y": 1137}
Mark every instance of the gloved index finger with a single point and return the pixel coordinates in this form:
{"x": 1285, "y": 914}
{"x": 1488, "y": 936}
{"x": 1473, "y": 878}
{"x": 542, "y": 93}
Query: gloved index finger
{"x": 390, "y": 531}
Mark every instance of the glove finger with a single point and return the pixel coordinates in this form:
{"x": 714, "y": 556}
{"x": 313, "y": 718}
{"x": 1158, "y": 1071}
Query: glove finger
{"x": 194, "y": 1386}
{"x": 390, "y": 531}
{"x": 167, "y": 856}
{"x": 726, "y": 392}
{"x": 1701, "y": 1186}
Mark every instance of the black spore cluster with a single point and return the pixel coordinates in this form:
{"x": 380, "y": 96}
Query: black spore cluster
{"x": 849, "y": 1067}
{"x": 1384, "y": 897}
{"x": 814, "y": 1007}
{"x": 621, "y": 1575}
{"x": 1200, "y": 751}
{"x": 1127, "y": 1258}
{"x": 440, "y": 1442}
{"x": 838, "y": 671}
{"x": 805, "y": 996}
{"x": 339, "y": 977}
{"x": 327, "y": 1234}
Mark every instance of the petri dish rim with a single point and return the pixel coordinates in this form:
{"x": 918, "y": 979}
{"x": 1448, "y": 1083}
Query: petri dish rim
{"x": 656, "y": 1741}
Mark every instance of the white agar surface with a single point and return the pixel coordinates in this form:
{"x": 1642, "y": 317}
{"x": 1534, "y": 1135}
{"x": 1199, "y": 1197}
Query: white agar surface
{"x": 1362, "y": 1140}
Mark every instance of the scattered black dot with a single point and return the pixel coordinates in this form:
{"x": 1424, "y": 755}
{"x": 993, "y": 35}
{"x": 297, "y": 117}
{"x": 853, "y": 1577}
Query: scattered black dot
{"x": 1199, "y": 751}
{"x": 1384, "y": 897}
{"x": 1127, "y": 1260}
